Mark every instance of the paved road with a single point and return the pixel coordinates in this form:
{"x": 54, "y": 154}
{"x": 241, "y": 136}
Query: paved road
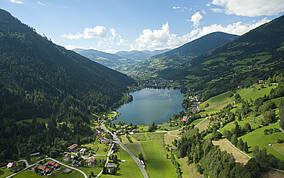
{"x": 23, "y": 160}
{"x": 140, "y": 165}
{"x": 85, "y": 176}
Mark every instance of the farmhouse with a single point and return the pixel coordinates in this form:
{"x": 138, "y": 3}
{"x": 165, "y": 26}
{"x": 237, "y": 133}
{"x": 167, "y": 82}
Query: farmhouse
{"x": 90, "y": 161}
{"x": 44, "y": 170}
{"x": 184, "y": 119}
{"x": 12, "y": 165}
{"x": 110, "y": 167}
{"x": 53, "y": 164}
{"x": 73, "y": 147}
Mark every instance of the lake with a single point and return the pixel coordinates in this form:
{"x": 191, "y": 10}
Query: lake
{"x": 151, "y": 105}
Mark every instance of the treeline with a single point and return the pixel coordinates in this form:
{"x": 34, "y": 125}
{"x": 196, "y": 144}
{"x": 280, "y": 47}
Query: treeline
{"x": 212, "y": 162}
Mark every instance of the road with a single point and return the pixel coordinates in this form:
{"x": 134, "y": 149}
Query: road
{"x": 116, "y": 140}
{"x": 29, "y": 166}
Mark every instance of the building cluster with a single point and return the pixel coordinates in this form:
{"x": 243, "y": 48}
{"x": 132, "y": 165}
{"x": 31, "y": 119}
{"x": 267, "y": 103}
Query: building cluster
{"x": 47, "y": 168}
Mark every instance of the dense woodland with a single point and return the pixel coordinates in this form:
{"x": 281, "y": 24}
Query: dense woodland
{"x": 39, "y": 79}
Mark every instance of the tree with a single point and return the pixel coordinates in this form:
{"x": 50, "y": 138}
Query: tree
{"x": 237, "y": 130}
{"x": 234, "y": 140}
{"x": 246, "y": 147}
{"x": 141, "y": 157}
{"x": 269, "y": 116}
{"x": 247, "y": 127}
{"x": 241, "y": 144}
{"x": 281, "y": 114}
{"x": 152, "y": 127}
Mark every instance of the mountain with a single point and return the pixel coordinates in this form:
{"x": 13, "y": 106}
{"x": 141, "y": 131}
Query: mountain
{"x": 254, "y": 56}
{"x": 140, "y": 55}
{"x": 39, "y": 78}
{"x": 107, "y": 59}
{"x": 151, "y": 66}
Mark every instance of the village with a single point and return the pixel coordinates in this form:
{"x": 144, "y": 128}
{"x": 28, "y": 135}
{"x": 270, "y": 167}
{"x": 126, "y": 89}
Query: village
{"x": 102, "y": 154}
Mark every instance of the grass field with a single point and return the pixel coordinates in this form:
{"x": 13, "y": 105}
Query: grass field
{"x": 255, "y": 91}
{"x": 139, "y": 137}
{"x": 58, "y": 174}
{"x": 5, "y": 172}
{"x": 203, "y": 125}
{"x": 189, "y": 171}
{"x": 279, "y": 147}
{"x": 257, "y": 138}
{"x": 225, "y": 146}
{"x": 253, "y": 121}
{"x": 135, "y": 148}
{"x": 273, "y": 174}
{"x": 170, "y": 137}
{"x": 216, "y": 103}
{"x": 126, "y": 169}
{"x": 97, "y": 147}
{"x": 157, "y": 165}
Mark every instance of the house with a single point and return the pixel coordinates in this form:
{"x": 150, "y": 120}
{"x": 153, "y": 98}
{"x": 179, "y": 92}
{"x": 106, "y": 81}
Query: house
{"x": 174, "y": 148}
{"x": 260, "y": 81}
{"x": 44, "y": 170}
{"x": 12, "y": 165}
{"x": 110, "y": 167}
{"x": 90, "y": 161}
{"x": 184, "y": 119}
{"x": 53, "y": 164}
{"x": 214, "y": 122}
{"x": 73, "y": 147}
{"x": 83, "y": 151}
{"x": 67, "y": 158}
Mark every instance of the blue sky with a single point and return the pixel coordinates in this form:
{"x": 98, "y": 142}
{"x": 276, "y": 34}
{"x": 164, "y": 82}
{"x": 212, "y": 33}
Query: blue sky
{"x": 113, "y": 25}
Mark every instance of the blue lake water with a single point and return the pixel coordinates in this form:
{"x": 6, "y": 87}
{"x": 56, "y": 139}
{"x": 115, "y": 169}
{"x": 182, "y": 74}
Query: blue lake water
{"x": 151, "y": 105}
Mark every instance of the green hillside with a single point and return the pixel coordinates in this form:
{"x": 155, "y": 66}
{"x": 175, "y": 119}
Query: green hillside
{"x": 175, "y": 57}
{"x": 255, "y": 55}
{"x": 39, "y": 79}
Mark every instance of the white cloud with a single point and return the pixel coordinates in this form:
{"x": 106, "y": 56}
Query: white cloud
{"x": 159, "y": 39}
{"x": 41, "y": 3}
{"x": 217, "y": 10}
{"x": 162, "y": 38}
{"x": 16, "y": 1}
{"x": 96, "y": 32}
{"x": 237, "y": 28}
{"x": 251, "y": 8}
{"x": 113, "y": 32}
{"x": 195, "y": 19}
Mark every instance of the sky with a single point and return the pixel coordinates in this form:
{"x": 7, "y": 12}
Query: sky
{"x": 117, "y": 25}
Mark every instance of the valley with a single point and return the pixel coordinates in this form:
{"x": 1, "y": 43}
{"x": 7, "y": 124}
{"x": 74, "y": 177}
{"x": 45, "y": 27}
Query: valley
{"x": 211, "y": 107}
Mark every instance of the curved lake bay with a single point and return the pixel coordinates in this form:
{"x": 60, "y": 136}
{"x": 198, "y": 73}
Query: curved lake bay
{"x": 151, "y": 105}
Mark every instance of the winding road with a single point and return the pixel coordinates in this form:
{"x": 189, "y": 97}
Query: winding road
{"x": 29, "y": 166}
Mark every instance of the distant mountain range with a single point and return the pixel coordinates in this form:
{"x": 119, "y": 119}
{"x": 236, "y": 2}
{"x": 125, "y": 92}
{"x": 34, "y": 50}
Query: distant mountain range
{"x": 172, "y": 58}
{"x": 255, "y": 55}
{"x": 140, "y": 55}
{"x": 119, "y": 61}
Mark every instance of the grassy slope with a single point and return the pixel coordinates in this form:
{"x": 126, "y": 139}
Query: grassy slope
{"x": 257, "y": 138}
{"x": 31, "y": 174}
{"x": 127, "y": 169}
{"x": 255, "y": 91}
{"x": 225, "y": 146}
{"x": 157, "y": 165}
{"x": 189, "y": 171}
{"x": 216, "y": 103}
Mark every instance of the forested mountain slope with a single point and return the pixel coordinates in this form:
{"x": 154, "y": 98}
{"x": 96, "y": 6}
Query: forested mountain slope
{"x": 39, "y": 78}
{"x": 186, "y": 52}
{"x": 255, "y": 55}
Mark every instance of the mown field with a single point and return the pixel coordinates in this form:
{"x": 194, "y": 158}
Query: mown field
{"x": 151, "y": 145}
{"x": 126, "y": 169}
{"x": 257, "y": 138}
{"x": 225, "y": 146}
